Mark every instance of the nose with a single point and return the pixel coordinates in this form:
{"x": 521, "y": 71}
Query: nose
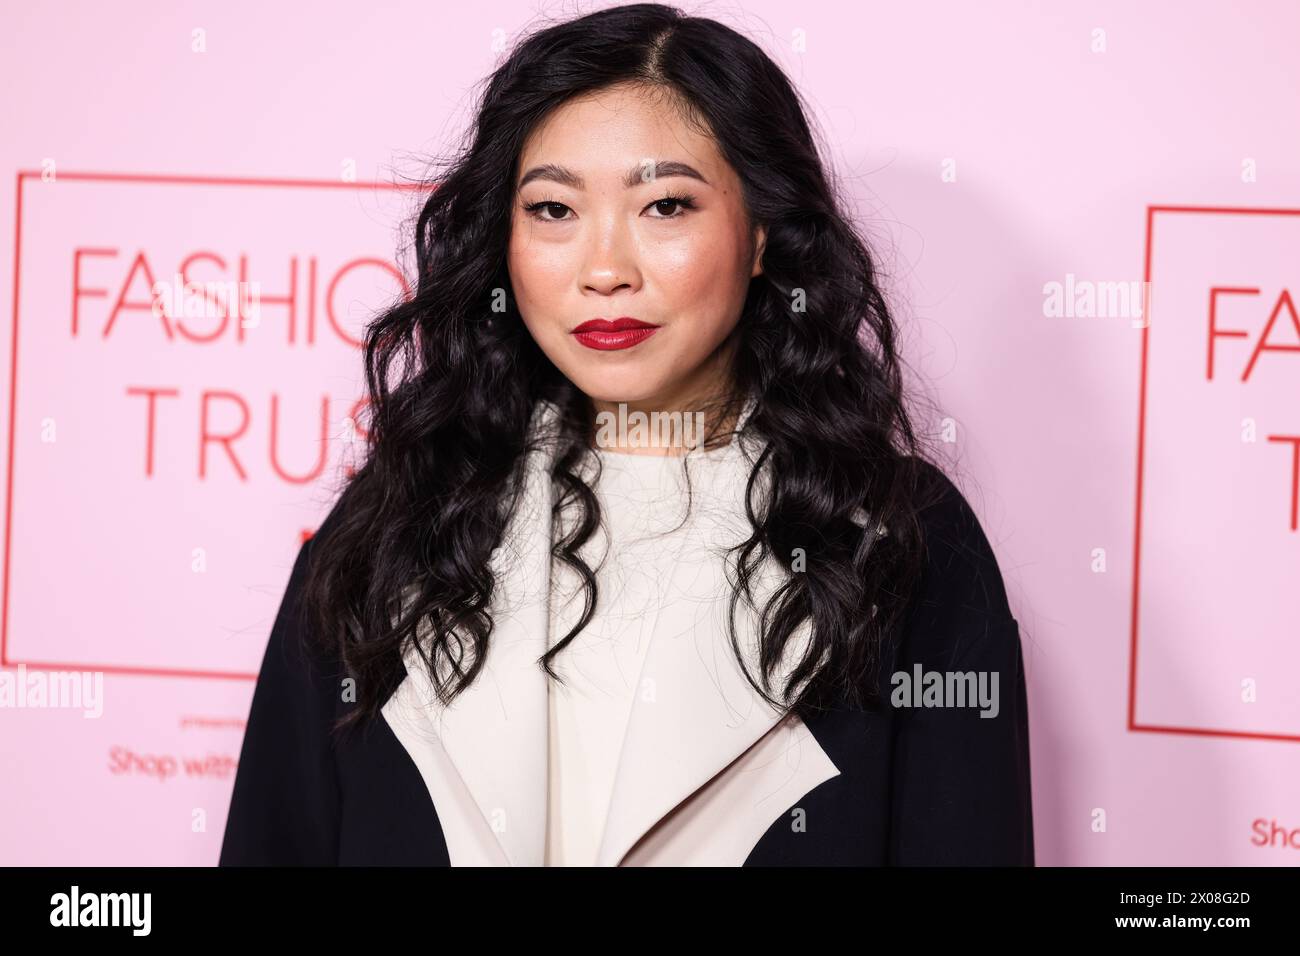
{"x": 611, "y": 262}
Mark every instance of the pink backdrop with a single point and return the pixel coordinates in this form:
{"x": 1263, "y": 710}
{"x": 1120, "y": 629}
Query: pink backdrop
{"x": 994, "y": 149}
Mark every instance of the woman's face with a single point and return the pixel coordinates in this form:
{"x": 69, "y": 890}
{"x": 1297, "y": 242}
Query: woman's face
{"x": 635, "y": 215}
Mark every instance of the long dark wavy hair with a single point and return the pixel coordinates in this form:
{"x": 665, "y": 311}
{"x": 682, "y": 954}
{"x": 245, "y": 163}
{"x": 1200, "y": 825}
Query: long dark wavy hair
{"x": 453, "y": 384}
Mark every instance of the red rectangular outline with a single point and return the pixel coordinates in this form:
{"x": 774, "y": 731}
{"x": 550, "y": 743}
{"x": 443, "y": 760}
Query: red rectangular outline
{"x": 152, "y": 178}
{"x": 1133, "y": 725}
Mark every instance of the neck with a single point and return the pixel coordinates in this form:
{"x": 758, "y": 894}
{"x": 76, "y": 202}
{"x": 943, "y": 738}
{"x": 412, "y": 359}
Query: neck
{"x": 699, "y": 413}
{"x": 659, "y": 428}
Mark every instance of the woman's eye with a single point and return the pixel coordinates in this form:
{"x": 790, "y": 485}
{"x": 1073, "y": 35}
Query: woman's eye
{"x": 556, "y": 208}
{"x": 670, "y": 207}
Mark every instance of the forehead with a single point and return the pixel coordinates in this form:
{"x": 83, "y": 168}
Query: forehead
{"x": 601, "y": 134}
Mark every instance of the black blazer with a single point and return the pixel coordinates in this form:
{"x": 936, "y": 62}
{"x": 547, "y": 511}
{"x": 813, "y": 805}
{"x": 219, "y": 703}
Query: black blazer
{"x": 908, "y": 785}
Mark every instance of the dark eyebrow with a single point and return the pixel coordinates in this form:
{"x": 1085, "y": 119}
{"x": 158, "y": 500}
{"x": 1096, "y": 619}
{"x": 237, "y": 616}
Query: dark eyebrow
{"x": 566, "y": 177}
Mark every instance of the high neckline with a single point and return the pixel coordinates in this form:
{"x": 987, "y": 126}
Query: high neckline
{"x": 652, "y": 462}
{"x": 727, "y": 452}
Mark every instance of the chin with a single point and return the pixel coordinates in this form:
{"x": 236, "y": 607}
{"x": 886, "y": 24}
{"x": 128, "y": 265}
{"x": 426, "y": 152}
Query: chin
{"x": 618, "y": 385}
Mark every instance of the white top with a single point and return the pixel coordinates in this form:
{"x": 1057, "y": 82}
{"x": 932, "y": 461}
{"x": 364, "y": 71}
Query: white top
{"x": 639, "y": 495}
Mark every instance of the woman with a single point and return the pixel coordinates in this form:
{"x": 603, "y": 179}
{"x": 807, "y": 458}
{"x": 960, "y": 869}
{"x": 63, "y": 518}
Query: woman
{"x": 531, "y": 632}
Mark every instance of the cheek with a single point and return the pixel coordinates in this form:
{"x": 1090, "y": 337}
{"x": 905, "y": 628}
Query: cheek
{"x": 694, "y": 275}
{"x": 539, "y": 271}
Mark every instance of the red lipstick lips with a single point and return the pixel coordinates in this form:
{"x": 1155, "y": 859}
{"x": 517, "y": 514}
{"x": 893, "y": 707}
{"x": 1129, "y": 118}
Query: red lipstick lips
{"x": 606, "y": 335}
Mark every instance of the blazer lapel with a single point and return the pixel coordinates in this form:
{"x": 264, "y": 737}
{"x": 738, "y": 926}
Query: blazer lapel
{"x": 694, "y": 713}
{"x": 484, "y": 758}
{"x": 494, "y": 734}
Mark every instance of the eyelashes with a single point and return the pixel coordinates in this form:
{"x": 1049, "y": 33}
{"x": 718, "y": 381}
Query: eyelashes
{"x": 684, "y": 202}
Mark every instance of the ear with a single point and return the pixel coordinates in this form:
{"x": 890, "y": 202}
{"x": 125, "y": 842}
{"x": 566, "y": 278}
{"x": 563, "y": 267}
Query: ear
{"x": 760, "y": 243}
